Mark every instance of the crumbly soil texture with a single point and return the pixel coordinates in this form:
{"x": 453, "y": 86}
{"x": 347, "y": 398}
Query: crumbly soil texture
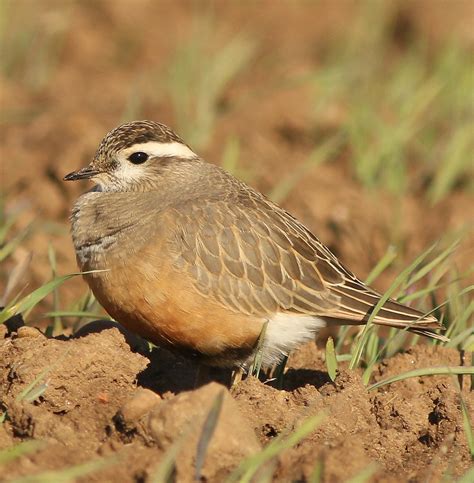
{"x": 104, "y": 405}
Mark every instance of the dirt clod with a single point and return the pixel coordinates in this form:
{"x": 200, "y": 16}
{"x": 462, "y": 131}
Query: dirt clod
{"x": 27, "y": 331}
{"x": 181, "y": 421}
{"x": 140, "y": 404}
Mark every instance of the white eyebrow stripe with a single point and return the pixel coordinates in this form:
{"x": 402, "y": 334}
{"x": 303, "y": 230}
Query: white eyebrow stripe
{"x": 162, "y": 150}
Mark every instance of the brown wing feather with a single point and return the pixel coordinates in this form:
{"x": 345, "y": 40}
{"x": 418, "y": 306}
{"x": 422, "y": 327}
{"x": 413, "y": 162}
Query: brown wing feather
{"x": 255, "y": 258}
{"x": 252, "y": 262}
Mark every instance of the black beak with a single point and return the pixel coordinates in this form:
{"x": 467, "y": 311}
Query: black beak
{"x": 84, "y": 173}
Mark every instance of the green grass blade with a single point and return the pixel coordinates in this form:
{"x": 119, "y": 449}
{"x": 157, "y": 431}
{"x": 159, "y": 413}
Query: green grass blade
{"x": 331, "y": 360}
{"x": 35, "y": 392}
{"x": 429, "y": 371}
{"x": 343, "y": 357}
{"x": 258, "y": 358}
{"x": 467, "y": 427}
{"x": 7, "y": 249}
{"x": 231, "y": 155}
{"x": 468, "y": 477}
{"x": 87, "y": 304}
{"x": 382, "y": 265}
{"x": 468, "y": 346}
{"x": 461, "y": 320}
{"x": 365, "y": 475}
{"x": 76, "y": 313}
{"x": 249, "y": 467}
{"x": 198, "y": 76}
{"x": 372, "y": 347}
{"x": 207, "y": 432}
{"x": 341, "y": 336}
{"x": 31, "y": 390}
{"x": 32, "y": 299}
{"x": 457, "y": 162}
{"x": 166, "y": 467}
{"x": 15, "y": 279}
{"x": 57, "y": 324}
{"x": 69, "y": 475}
{"x": 279, "y": 372}
{"x": 410, "y": 297}
{"x": 6, "y": 223}
{"x": 316, "y": 475}
{"x": 360, "y": 346}
{"x": 372, "y": 352}
{"x": 447, "y": 252}
{"x": 20, "y": 449}
{"x": 463, "y": 338}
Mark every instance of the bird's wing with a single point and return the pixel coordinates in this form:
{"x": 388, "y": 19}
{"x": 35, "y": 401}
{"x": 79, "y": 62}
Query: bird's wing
{"x": 255, "y": 258}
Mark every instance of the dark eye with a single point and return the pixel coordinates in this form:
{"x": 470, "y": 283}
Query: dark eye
{"x": 138, "y": 158}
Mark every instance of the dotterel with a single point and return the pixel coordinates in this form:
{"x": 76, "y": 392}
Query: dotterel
{"x": 195, "y": 260}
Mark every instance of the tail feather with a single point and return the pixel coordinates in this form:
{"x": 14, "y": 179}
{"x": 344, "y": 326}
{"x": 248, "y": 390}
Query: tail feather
{"x": 357, "y": 301}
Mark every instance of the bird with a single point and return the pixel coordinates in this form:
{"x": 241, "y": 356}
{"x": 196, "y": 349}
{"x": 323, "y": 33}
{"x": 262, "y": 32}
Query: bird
{"x": 184, "y": 254}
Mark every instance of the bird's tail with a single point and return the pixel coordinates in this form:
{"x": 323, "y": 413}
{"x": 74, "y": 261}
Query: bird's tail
{"x": 357, "y": 302}
{"x": 394, "y": 314}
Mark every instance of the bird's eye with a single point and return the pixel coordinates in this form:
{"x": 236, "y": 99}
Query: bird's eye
{"x": 138, "y": 157}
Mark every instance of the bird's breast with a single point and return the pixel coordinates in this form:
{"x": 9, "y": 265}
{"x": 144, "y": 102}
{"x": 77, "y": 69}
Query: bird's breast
{"x": 109, "y": 229}
{"x": 92, "y": 241}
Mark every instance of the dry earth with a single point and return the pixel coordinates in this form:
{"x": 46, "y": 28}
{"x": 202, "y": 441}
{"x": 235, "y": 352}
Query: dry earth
{"x": 102, "y": 399}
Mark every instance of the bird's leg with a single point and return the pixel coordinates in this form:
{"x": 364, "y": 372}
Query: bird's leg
{"x": 236, "y": 377}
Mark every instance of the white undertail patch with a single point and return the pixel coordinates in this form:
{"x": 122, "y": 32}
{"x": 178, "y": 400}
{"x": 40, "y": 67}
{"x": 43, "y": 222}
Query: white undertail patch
{"x": 287, "y": 331}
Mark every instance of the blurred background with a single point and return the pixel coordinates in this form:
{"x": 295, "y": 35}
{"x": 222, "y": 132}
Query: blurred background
{"x": 356, "y": 116}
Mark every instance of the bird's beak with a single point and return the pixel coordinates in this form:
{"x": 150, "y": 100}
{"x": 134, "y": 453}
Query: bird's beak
{"x": 84, "y": 173}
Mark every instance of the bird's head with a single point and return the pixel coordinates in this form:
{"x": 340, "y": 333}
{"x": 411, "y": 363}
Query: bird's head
{"x": 131, "y": 157}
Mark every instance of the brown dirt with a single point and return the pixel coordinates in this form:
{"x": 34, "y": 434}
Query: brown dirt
{"x": 102, "y": 399}
{"x": 48, "y": 133}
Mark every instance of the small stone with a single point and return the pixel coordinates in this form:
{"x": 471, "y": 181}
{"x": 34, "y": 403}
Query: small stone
{"x": 141, "y": 403}
{"x": 27, "y": 331}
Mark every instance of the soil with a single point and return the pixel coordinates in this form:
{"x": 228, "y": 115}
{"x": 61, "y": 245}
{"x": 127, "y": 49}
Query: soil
{"x": 100, "y": 392}
{"x": 101, "y": 398}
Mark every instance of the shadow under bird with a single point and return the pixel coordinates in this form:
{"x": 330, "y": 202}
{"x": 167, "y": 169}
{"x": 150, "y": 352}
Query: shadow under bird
{"x": 195, "y": 260}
